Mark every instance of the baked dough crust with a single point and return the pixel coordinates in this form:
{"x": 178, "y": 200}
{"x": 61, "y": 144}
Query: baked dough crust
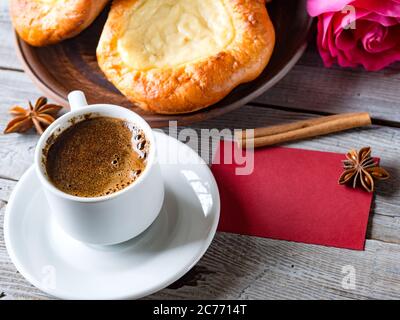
{"x": 192, "y": 85}
{"x": 45, "y": 22}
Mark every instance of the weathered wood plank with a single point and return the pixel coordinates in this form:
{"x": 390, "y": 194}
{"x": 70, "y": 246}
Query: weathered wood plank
{"x": 16, "y": 150}
{"x": 254, "y": 268}
{"x": 6, "y": 187}
{"x": 8, "y": 58}
{"x": 15, "y": 88}
{"x": 384, "y": 228}
{"x": 310, "y": 86}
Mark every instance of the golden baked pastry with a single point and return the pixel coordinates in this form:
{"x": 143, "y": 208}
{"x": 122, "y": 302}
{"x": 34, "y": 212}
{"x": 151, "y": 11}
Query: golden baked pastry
{"x": 178, "y": 56}
{"x": 44, "y": 22}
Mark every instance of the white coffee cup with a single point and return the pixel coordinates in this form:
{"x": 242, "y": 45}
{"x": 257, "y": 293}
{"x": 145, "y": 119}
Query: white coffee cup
{"x": 108, "y": 219}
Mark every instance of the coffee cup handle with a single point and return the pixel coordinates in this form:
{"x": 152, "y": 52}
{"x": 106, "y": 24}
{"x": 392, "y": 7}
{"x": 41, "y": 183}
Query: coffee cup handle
{"x": 77, "y": 100}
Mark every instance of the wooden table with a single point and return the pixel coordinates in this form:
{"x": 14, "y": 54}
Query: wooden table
{"x": 242, "y": 267}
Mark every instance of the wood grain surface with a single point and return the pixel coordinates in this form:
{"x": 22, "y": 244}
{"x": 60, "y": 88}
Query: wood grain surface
{"x": 246, "y": 267}
{"x": 311, "y": 87}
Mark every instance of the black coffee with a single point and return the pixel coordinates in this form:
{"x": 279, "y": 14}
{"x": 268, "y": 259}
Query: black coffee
{"x": 96, "y": 157}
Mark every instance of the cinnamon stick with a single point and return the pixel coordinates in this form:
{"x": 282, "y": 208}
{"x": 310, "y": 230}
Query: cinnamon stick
{"x": 303, "y": 129}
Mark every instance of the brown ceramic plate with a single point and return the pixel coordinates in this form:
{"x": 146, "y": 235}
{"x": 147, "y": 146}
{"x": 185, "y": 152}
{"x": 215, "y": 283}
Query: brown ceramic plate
{"x": 72, "y": 65}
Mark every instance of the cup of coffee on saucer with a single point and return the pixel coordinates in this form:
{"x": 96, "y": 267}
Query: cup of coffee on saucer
{"x": 110, "y": 209}
{"x": 98, "y": 169}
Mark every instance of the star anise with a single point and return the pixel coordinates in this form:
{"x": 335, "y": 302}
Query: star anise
{"x": 39, "y": 116}
{"x": 361, "y": 169}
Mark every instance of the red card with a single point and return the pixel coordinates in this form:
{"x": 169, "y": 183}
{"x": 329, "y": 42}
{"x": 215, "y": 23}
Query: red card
{"x": 293, "y": 195}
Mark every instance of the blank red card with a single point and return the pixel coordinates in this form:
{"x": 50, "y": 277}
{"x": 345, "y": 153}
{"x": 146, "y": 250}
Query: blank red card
{"x": 293, "y": 195}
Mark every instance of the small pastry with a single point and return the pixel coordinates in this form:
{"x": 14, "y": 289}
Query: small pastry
{"x": 179, "y": 56}
{"x": 45, "y": 22}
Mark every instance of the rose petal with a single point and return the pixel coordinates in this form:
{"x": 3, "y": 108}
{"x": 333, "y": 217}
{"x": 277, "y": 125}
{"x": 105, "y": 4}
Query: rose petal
{"x": 389, "y": 8}
{"x": 374, "y": 62}
{"x": 324, "y": 23}
{"x": 322, "y": 46}
{"x": 331, "y": 44}
{"x": 380, "y": 39}
{"x": 344, "y": 61}
{"x": 383, "y": 20}
{"x": 374, "y": 37}
{"x": 317, "y": 7}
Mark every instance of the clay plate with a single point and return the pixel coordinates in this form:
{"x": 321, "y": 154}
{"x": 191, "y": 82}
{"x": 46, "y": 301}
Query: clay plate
{"x": 72, "y": 65}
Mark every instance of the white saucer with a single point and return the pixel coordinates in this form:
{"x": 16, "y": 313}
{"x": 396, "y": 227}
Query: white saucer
{"x": 69, "y": 269}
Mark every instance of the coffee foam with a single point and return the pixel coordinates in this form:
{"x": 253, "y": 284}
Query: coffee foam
{"x": 97, "y": 157}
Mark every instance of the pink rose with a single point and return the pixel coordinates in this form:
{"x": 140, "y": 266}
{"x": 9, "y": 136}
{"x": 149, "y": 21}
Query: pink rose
{"x": 354, "y": 32}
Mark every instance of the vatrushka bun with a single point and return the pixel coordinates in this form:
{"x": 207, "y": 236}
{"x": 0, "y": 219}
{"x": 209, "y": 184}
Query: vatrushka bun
{"x": 179, "y": 56}
{"x": 45, "y": 22}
